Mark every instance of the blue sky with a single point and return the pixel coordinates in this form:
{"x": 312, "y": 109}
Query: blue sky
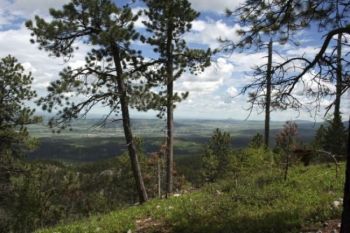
{"x": 211, "y": 92}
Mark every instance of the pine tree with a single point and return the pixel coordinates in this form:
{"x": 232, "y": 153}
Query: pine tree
{"x": 168, "y": 22}
{"x": 335, "y": 137}
{"x": 215, "y": 159}
{"x": 319, "y": 138}
{"x": 15, "y": 90}
{"x": 257, "y": 141}
{"x": 111, "y": 71}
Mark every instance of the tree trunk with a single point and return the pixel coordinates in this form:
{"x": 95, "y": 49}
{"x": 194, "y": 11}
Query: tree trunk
{"x": 170, "y": 111}
{"x": 345, "y": 226}
{"x": 268, "y": 95}
{"x": 159, "y": 177}
{"x": 286, "y": 167}
{"x": 135, "y": 165}
{"x": 339, "y": 79}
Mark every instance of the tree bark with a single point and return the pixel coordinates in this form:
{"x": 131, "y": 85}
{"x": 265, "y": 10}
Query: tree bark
{"x": 268, "y": 95}
{"x": 170, "y": 110}
{"x": 286, "y": 167}
{"x": 345, "y": 226}
{"x": 135, "y": 165}
{"x": 339, "y": 78}
{"x": 159, "y": 177}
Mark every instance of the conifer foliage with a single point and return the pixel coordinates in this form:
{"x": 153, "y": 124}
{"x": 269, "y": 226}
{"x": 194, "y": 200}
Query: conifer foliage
{"x": 109, "y": 75}
{"x": 215, "y": 158}
{"x": 168, "y": 22}
{"x": 15, "y": 89}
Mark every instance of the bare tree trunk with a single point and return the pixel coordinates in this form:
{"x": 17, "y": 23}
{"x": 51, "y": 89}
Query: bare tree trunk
{"x": 135, "y": 165}
{"x": 170, "y": 111}
{"x": 339, "y": 78}
{"x": 286, "y": 167}
{"x": 345, "y": 226}
{"x": 268, "y": 95}
{"x": 159, "y": 177}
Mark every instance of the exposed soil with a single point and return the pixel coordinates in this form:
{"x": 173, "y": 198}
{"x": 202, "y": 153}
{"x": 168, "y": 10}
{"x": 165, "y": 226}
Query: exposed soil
{"x": 150, "y": 225}
{"x": 330, "y": 226}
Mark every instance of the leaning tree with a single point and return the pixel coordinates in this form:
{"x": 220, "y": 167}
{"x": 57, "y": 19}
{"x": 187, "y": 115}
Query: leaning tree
{"x": 110, "y": 77}
{"x": 168, "y": 21}
{"x": 282, "y": 20}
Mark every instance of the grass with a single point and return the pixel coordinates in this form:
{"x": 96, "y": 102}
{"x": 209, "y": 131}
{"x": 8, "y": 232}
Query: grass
{"x": 256, "y": 201}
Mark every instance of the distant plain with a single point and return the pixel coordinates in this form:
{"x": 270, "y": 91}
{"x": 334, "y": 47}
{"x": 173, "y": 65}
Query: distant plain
{"x": 88, "y": 142}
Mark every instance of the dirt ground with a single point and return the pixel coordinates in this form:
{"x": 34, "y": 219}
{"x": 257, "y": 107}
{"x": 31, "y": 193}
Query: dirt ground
{"x": 330, "y": 226}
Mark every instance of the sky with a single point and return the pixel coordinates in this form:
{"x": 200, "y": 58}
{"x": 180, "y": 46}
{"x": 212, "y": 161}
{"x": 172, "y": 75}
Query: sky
{"x": 212, "y": 94}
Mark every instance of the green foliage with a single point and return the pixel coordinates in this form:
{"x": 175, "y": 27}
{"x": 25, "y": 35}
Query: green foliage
{"x": 286, "y": 141}
{"x": 283, "y": 19}
{"x": 167, "y": 23}
{"x": 331, "y": 137}
{"x": 46, "y": 193}
{"x": 257, "y": 141}
{"x": 215, "y": 158}
{"x": 319, "y": 137}
{"x": 335, "y": 137}
{"x": 15, "y": 89}
{"x": 109, "y": 30}
{"x": 255, "y": 202}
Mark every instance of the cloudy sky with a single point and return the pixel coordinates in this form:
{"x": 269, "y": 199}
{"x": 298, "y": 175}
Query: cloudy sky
{"x": 211, "y": 92}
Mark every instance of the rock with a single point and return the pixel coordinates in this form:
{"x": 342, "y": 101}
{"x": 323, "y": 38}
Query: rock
{"x": 218, "y": 192}
{"x": 336, "y": 204}
{"x": 107, "y": 173}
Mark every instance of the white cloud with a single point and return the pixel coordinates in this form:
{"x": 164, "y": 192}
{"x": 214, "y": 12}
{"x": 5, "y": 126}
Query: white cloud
{"x": 308, "y": 51}
{"x": 44, "y": 68}
{"x": 232, "y": 91}
{"x": 218, "y": 6}
{"x": 208, "y": 81}
{"x": 25, "y": 7}
{"x": 198, "y": 25}
{"x": 209, "y": 32}
{"x": 11, "y": 11}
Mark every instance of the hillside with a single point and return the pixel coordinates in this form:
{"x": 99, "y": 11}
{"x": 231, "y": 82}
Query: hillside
{"x": 252, "y": 200}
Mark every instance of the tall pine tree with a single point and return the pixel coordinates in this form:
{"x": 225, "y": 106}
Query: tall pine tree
{"x": 110, "y": 74}
{"x": 168, "y": 22}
